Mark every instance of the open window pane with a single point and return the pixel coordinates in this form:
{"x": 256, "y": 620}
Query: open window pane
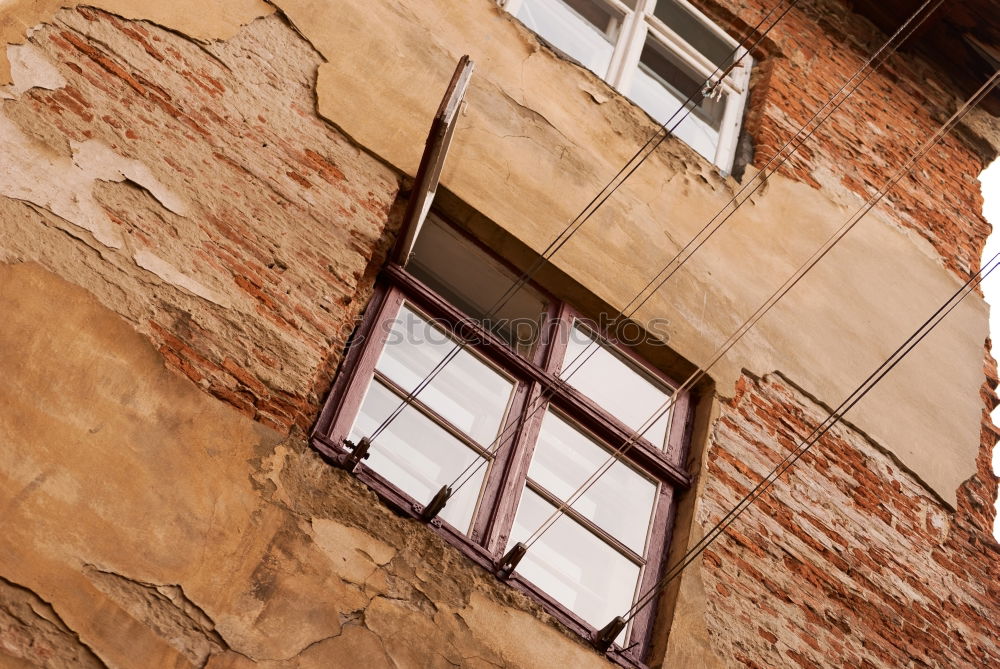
{"x": 467, "y": 392}
{"x": 472, "y": 281}
{"x": 620, "y": 502}
{"x": 616, "y": 385}
{"x": 585, "y": 30}
{"x": 573, "y": 566}
{"x": 662, "y": 83}
{"x": 694, "y": 31}
{"x": 417, "y": 455}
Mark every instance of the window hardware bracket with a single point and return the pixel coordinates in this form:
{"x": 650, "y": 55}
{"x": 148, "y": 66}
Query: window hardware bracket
{"x": 358, "y": 452}
{"x": 431, "y": 511}
{"x": 607, "y": 635}
{"x": 509, "y": 562}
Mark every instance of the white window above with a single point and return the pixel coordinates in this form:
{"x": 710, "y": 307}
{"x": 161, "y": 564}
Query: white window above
{"x": 657, "y": 53}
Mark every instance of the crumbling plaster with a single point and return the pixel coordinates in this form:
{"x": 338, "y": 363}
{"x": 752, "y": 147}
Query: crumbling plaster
{"x": 525, "y": 164}
{"x": 198, "y": 20}
{"x": 164, "y": 527}
{"x": 524, "y": 156}
{"x": 233, "y": 546}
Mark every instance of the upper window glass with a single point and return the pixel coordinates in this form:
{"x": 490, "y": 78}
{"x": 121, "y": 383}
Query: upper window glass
{"x": 621, "y": 387}
{"x": 656, "y": 52}
{"x": 474, "y": 282}
{"x": 678, "y": 17}
{"x": 586, "y": 30}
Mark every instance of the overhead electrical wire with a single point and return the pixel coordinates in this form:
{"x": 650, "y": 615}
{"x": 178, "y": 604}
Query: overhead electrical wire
{"x": 768, "y": 304}
{"x": 637, "y": 159}
{"x": 806, "y": 444}
{"x": 757, "y": 181}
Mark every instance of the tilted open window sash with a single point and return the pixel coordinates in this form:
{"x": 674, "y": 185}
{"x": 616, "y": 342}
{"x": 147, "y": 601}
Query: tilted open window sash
{"x": 428, "y": 175}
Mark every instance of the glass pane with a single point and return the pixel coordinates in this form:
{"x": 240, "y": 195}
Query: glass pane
{"x": 577, "y": 569}
{"x": 694, "y": 31}
{"x": 618, "y": 386}
{"x": 620, "y": 502}
{"x": 662, "y": 83}
{"x": 585, "y": 30}
{"x": 472, "y": 281}
{"x": 467, "y": 392}
{"x": 417, "y": 455}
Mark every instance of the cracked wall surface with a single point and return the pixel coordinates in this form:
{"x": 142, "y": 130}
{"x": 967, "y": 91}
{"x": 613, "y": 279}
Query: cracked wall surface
{"x": 168, "y": 529}
{"x": 31, "y": 631}
{"x": 193, "y": 208}
{"x": 850, "y": 562}
{"x": 200, "y": 173}
{"x": 526, "y": 157}
{"x": 516, "y": 138}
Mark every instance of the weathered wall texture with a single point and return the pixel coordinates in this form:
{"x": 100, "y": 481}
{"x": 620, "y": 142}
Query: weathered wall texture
{"x": 177, "y": 207}
{"x": 185, "y": 245}
{"x": 850, "y": 563}
{"x": 894, "y": 110}
{"x": 147, "y": 524}
{"x": 202, "y": 190}
{"x": 526, "y": 157}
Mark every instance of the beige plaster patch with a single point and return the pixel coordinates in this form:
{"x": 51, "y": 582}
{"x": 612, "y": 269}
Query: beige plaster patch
{"x": 357, "y": 554}
{"x": 539, "y": 137}
{"x": 199, "y": 20}
{"x": 151, "y": 262}
{"x": 64, "y": 185}
{"x": 29, "y": 69}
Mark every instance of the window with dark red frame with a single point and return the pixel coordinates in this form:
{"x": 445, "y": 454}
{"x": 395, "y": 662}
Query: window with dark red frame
{"x": 531, "y": 406}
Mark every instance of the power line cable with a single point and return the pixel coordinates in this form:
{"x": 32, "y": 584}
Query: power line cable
{"x": 797, "y": 276}
{"x": 817, "y": 433}
{"x": 753, "y": 185}
{"x": 609, "y": 189}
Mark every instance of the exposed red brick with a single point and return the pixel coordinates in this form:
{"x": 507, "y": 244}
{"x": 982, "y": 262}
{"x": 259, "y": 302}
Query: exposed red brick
{"x": 814, "y": 51}
{"x": 102, "y": 60}
{"x": 847, "y": 550}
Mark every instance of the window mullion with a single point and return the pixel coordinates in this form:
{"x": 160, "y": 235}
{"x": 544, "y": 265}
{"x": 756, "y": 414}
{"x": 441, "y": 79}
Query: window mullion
{"x": 661, "y": 532}
{"x": 371, "y": 341}
{"x": 511, "y": 470}
{"x": 732, "y": 119}
{"x": 629, "y": 50}
{"x": 687, "y": 53}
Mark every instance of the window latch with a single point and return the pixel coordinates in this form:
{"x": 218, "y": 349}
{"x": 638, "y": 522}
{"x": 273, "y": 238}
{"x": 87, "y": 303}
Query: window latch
{"x": 358, "y": 452}
{"x": 607, "y": 635}
{"x": 437, "y": 503}
{"x": 509, "y": 562}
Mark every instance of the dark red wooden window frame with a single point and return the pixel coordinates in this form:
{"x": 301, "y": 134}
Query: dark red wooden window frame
{"x": 495, "y": 512}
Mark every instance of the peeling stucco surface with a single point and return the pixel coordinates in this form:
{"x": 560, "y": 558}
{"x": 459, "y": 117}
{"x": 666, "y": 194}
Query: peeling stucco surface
{"x": 523, "y": 156}
{"x": 184, "y": 192}
{"x": 244, "y": 548}
{"x": 33, "y": 634}
{"x": 849, "y": 562}
{"x": 182, "y": 165}
{"x": 198, "y": 20}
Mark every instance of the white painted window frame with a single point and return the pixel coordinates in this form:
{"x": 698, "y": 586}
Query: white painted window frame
{"x": 640, "y": 23}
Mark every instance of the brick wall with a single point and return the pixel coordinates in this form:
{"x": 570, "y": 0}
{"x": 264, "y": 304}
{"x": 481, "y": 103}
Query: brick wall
{"x": 244, "y": 231}
{"x": 848, "y": 561}
{"x": 816, "y": 49}
{"x": 193, "y": 190}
